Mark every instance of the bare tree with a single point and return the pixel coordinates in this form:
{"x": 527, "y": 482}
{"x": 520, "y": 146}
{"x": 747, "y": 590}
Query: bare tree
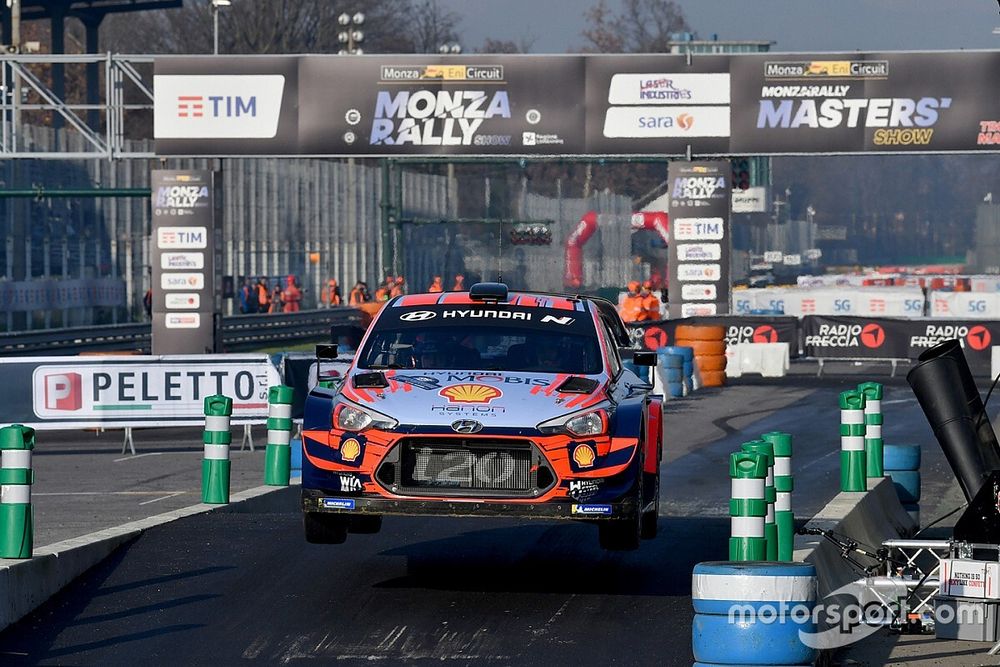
{"x": 642, "y": 26}
{"x": 522, "y": 44}
{"x": 431, "y": 26}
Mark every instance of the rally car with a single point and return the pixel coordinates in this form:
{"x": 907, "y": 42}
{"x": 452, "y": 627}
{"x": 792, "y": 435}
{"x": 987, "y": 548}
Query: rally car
{"x": 486, "y": 403}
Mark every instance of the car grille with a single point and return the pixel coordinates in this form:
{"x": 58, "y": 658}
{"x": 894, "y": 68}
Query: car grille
{"x": 466, "y": 467}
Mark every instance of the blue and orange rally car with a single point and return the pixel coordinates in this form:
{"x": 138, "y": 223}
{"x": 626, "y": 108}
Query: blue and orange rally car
{"x": 486, "y": 403}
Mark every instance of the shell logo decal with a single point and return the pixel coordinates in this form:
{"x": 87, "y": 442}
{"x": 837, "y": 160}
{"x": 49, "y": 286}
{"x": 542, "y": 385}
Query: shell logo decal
{"x": 470, "y": 393}
{"x": 584, "y": 456}
{"x": 350, "y": 450}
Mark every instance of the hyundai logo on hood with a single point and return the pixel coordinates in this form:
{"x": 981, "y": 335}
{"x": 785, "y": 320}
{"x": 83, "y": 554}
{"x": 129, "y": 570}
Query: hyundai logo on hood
{"x": 466, "y": 426}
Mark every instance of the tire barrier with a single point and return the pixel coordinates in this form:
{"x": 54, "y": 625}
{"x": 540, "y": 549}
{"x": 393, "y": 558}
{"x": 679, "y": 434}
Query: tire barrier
{"x": 278, "y": 457}
{"x": 16, "y": 478}
{"x": 215, "y": 467}
{"x": 874, "y": 449}
{"x": 752, "y": 613}
{"x": 673, "y": 368}
{"x": 766, "y": 449}
{"x": 784, "y": 517}
{"x": 747, "y": 506}
{"x": 708, "y": 345}
{"x": 852, "y": 441}
{"x": 902, "y": 464}
{"x": 641, "y": 371}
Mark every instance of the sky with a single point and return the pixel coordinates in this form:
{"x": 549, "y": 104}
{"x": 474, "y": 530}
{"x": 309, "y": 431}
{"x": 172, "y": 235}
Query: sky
{"x": 795, "y": 25}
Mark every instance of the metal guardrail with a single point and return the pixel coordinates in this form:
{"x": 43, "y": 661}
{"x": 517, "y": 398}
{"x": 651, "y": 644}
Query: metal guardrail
{"x": 239, "y": 333}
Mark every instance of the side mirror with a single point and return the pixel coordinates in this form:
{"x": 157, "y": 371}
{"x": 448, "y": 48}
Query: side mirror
{"x": 326, "y": 351}
{"x": 644, "y": 358}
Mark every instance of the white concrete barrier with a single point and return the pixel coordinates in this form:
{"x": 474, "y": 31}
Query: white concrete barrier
{"x": 965, "y": 304}
{"x": 765, "y": 359}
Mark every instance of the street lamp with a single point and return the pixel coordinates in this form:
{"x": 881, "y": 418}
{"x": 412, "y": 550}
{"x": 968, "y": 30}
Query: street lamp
{"x": 453, "y": 49}
{"x": 351, "y": 36}
{"x": 216, "y": 4}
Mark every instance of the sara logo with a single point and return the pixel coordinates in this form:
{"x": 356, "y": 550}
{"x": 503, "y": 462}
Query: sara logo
{"x": 872, "y": 335}
{"x": 470, "y": 393}
{"x": 350, "y": 450}
{"x": 765, "y": 334}
{"x": 685, "y": 121}
{"x": 978, "y": 337}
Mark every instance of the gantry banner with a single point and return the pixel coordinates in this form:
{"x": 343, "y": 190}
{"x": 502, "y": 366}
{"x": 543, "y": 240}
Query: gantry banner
{"x": 521, "y": 105}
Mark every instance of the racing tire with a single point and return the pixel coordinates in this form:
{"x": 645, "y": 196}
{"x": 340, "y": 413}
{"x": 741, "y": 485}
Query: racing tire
{"x": 696, "y": 332}
{"x": 706, "y": 347}
{"x": 324, "y": 528}
{"x": 712, "y": 362}
{"x": 364, "y": 524}
{"x": 713, "y": 379}
{"x": 648, "y": 523}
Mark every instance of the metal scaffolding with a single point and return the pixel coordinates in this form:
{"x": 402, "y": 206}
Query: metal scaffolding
{"x": 26, "y": 89}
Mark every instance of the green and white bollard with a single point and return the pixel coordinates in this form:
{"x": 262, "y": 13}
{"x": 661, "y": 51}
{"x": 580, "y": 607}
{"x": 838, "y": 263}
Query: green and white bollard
{"x": 873, "y": 429}
{"x": 784, "y": 518}
{"x": 852, "y": 441}
{"x": 747, "y": 507}
{"x": 766, "y": 449}
{"x": 16, "y": 478}
{"x": 278, "y": 459}
{"x": 216, "y": 466}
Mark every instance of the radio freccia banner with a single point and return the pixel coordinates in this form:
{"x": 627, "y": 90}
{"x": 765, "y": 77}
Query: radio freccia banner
{"x": 136, "y": 391}
{"x": 770, "y": 103}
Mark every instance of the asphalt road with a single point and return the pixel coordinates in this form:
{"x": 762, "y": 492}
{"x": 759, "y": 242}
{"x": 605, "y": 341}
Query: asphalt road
{"x": 242, "y": 585}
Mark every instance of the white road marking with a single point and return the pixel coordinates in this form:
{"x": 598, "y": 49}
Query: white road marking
{"x": 138, "y": 456}
{"x": 815, "y": 461}
{"x": 156, "y": 500}
{"x": 900, "y": 400}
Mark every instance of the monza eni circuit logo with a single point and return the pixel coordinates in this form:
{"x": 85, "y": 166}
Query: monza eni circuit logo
{"x": 470, "y": 393}
{"x": 978, "y": 338}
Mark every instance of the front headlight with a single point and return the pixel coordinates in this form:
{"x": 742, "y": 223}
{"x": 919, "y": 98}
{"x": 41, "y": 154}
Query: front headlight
{"x": 347, "y": 417}
{"x": 589, "y": 423}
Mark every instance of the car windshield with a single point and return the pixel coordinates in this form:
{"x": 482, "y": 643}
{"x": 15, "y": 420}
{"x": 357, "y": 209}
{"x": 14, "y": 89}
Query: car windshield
{"x": 527, "y": 340}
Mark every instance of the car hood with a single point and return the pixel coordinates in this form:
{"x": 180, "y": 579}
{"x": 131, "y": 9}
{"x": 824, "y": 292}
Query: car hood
{"x": 496, "y": 399}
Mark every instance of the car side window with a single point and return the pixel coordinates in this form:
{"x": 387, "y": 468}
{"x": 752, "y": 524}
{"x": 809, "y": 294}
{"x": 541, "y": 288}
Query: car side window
{"x": 614, "y": 359}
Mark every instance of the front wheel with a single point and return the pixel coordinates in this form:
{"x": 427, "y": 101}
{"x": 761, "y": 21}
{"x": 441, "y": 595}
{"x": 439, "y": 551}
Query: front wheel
{"x": 620, "y": 534}
{"x": 324, "y": 528}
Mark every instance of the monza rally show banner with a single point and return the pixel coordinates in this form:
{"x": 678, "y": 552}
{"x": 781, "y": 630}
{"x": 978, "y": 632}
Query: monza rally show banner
{"x": 771, "y": 103}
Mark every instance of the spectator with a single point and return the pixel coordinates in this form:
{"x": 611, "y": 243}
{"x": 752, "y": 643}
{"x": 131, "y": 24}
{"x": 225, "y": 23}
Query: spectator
{"x": 263, "y": 296}
{"x": 248, "y": 297}
{"x": 147, "y": 303}
{"x": 275, "y": 305}
{"x": 292, "y": 296}
{"x": 359, "y": 294}
{"x": 436, "y": 285}
{"x": 398, "y": 288}
{"x": 650, "y": 304}
{"x": 459, "y": 283}
{"x": 631, "y": 308}
{"x": 382, "y": 293}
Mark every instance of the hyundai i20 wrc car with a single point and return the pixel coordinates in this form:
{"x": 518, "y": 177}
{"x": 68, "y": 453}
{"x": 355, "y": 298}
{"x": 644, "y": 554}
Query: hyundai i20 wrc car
{"x": 486, "y": 403}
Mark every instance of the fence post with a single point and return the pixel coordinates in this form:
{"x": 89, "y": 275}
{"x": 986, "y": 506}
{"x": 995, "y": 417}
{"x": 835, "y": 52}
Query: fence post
{"x": 852, "y": 441}
{"x": 766, "y": 449}
{"x": 747, "y": 507}
{"x": 16, "y": 478}
{"x": 874, "y": 466}
{"x": 215, "y": 467}
{"x": 784, "y": 517}
{"x": 277, "y": 461}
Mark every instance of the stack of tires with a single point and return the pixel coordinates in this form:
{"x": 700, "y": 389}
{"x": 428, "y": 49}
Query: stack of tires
{"x": 772, "y": 602}
{"x": 677, "y": 370}
{"x": 709, "y": 347}
{"x": 902, "y": 464}
{"x": 641, "y": 371}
